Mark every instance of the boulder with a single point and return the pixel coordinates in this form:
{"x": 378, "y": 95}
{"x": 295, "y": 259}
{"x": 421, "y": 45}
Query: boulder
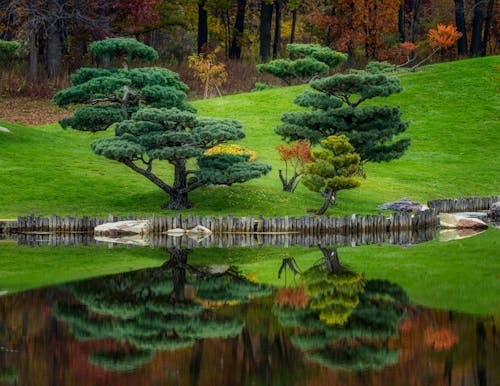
{"x": 4, "y": 129}
{"x": 494, "y": 211}
{"x": 124, "y": 228}
{"x": 455, "y": 221}
{"x": 404, "y": 205}
{"x": 175, "y": 232}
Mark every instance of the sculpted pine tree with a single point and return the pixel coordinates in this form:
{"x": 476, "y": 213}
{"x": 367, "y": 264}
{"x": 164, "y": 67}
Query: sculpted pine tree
{"x": 112, "y": 95}
{"x": 177, "y": 136}
{"x": 152, "y": 122}
{"x": 312, "y": 60}
{"x": 335, "y": 167}
{"x": 336, "y": 109}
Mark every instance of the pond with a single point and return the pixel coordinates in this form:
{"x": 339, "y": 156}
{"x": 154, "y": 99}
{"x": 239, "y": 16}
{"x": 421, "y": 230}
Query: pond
{"x": 208, "y": 317}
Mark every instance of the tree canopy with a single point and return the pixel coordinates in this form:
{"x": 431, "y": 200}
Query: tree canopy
{"x": 335, "y": 109}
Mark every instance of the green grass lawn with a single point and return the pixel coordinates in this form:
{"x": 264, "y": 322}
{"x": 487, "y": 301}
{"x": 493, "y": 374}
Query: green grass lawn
{"x": 461, "y": 275}
{"x": 454, "y": 109}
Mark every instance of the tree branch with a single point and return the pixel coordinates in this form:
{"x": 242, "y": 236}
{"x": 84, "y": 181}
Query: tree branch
{"x": 150, "y": 176}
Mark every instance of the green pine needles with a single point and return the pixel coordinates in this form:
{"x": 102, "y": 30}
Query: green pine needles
{"x": 336, "y": 109}
{"x": 312, "y": 60}
{"x": 153, "y": 122}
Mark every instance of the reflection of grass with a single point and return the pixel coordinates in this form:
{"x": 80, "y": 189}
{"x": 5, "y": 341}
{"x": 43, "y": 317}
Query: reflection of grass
{"x": 8, "y": 375}
{"x": 454, "y": 112}
{"x": 461, "y": 275}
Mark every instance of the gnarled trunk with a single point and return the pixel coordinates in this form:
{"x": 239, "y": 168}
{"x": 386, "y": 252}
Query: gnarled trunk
{"x": 329, "y": 195}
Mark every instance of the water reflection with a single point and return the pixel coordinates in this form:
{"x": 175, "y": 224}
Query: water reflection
{"x": 189, "y": 325}
{"x": 147, "y": 311}
{"x": 343, "y": 321}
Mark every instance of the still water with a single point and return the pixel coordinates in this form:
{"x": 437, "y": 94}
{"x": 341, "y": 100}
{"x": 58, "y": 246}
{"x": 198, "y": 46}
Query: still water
{"x": 184, "y": 324}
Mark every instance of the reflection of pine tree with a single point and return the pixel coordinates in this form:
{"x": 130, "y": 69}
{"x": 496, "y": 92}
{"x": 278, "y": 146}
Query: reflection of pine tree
{"x": 149, "y": 310}
{"x": 348, "y": 320}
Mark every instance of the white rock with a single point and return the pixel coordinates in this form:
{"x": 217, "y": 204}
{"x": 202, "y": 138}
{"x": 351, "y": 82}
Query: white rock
{"x": 175, "y": 232}
{"x": 199, "y": 229}
{"x": 129, "y": 227}
{"x": 136, "y": 240}
{"x": 4, "y": 129}
{"x": 457, "y": 234}
{"x": 454, "y": 221}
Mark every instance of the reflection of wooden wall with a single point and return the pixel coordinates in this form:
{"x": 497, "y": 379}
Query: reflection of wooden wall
{"x": 229, "y": 240}
{"x": 308, "y": 225}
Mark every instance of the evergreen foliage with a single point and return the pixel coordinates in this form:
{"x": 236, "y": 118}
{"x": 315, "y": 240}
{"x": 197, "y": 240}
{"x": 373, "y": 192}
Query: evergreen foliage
{"x": 313, "y": 60}
{"x": 335, "y": 167}
{"x": 9, "y": 47}
{"x": 176, "y": 136}
{"x": 348, "y": 319}
{"x": 152, "y": 122}
{"x": 114, "y": 94}
{"x": 146, "y": 311}
{"x": 335, "y": 109}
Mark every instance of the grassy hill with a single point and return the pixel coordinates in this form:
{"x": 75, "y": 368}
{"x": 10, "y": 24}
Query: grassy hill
{"x": 454, "y": 109}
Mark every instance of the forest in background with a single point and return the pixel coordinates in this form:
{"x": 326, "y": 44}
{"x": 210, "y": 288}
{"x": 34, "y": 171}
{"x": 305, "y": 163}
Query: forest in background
{"x": 54, "y": 35}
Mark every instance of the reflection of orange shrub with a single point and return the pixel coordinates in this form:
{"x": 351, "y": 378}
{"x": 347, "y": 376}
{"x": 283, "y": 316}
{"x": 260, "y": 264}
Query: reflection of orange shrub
{"x": 292, "y": 297}
{"x": 441, "y": 339}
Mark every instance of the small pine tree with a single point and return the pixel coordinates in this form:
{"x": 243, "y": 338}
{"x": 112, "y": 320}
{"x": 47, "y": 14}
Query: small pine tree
{"x": 335, "y": 167}
{"x": 313, "y": 60}
{"x": 335, "y": 110}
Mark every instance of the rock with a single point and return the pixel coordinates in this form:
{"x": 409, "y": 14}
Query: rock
{"x": 4, "y": 129}
{"x": 3, "y": 292}
{"x": 124, "y": 228}
{"x": 175, "y": 232}
{"x": 200, "y": 230}
{"x": 494, "y": 211}
{"x": 404, "y": 205}
{"x": 457, "y": 234}
{"x": 136, "y": 240}
{"x": 454, "y": 221}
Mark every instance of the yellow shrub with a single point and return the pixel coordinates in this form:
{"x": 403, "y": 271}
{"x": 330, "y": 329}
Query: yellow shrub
{"x": 231, "y": 149}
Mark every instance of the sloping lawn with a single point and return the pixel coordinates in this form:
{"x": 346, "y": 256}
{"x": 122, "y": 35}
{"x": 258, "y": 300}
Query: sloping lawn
{"x": 454, "y": 109}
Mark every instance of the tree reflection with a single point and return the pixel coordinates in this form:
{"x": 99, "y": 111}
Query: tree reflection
{"x": 346, "y": 321}
{"x": 152, "y": 310}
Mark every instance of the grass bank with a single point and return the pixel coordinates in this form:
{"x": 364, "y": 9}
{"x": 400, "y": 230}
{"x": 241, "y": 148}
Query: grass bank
{"x": 460, "y": 275}
{"x": 454, "y": 109}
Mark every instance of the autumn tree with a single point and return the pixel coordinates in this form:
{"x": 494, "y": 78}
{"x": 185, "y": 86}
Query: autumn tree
{"x": 311, "y": 60}
{"x": 441, "y": 38}
{"x": 295, "y": 156}
{"x": 211, "y": 73}
{"x": 335, "y": 167}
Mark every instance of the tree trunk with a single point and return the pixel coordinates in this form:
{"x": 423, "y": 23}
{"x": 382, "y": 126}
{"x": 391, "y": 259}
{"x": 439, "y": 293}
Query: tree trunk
{"x": 178, "y": 261}
{"x": 179, "y": 193}
{"x": 202, "y": 26}
{"x": 461, "y": 27}
{"x": 487, "y": 27}
{"x": 288, "y": 185}
{"x": 277, "y": 29}
{"x": 33, "y": 44}
{"x": 477, "y": 28}
{"x": 414, "y": 20}
{"x": 53, "y": 47}
{"x": 239, "y": 27}
{"x": 266, "y": 16}
{"x": 328, "y": 194}
{"x": 294, "y": 26}
{"x": 332, "y": 261}
{"x": 401, "y": 22}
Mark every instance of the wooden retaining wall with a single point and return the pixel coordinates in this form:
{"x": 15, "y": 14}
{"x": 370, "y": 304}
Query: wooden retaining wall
{"x": 468, "y": 204}
{"x": 311, "y": 225}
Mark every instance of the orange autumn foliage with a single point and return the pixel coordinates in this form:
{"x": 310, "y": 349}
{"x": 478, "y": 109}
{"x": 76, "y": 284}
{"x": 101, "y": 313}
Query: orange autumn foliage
{"x": 297, "y": 153}
{"x": 441, "y": 339}
{"x": 295, "y": 298}
{"x": 444, "y": 36}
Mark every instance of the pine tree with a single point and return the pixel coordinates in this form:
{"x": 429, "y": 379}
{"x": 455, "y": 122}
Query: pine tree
{"x": 335, "y": 109}
{"x": 312, "y": 60}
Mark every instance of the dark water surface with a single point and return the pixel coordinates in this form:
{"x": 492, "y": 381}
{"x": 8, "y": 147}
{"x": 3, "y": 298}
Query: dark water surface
{"x": 190, "y": 325}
